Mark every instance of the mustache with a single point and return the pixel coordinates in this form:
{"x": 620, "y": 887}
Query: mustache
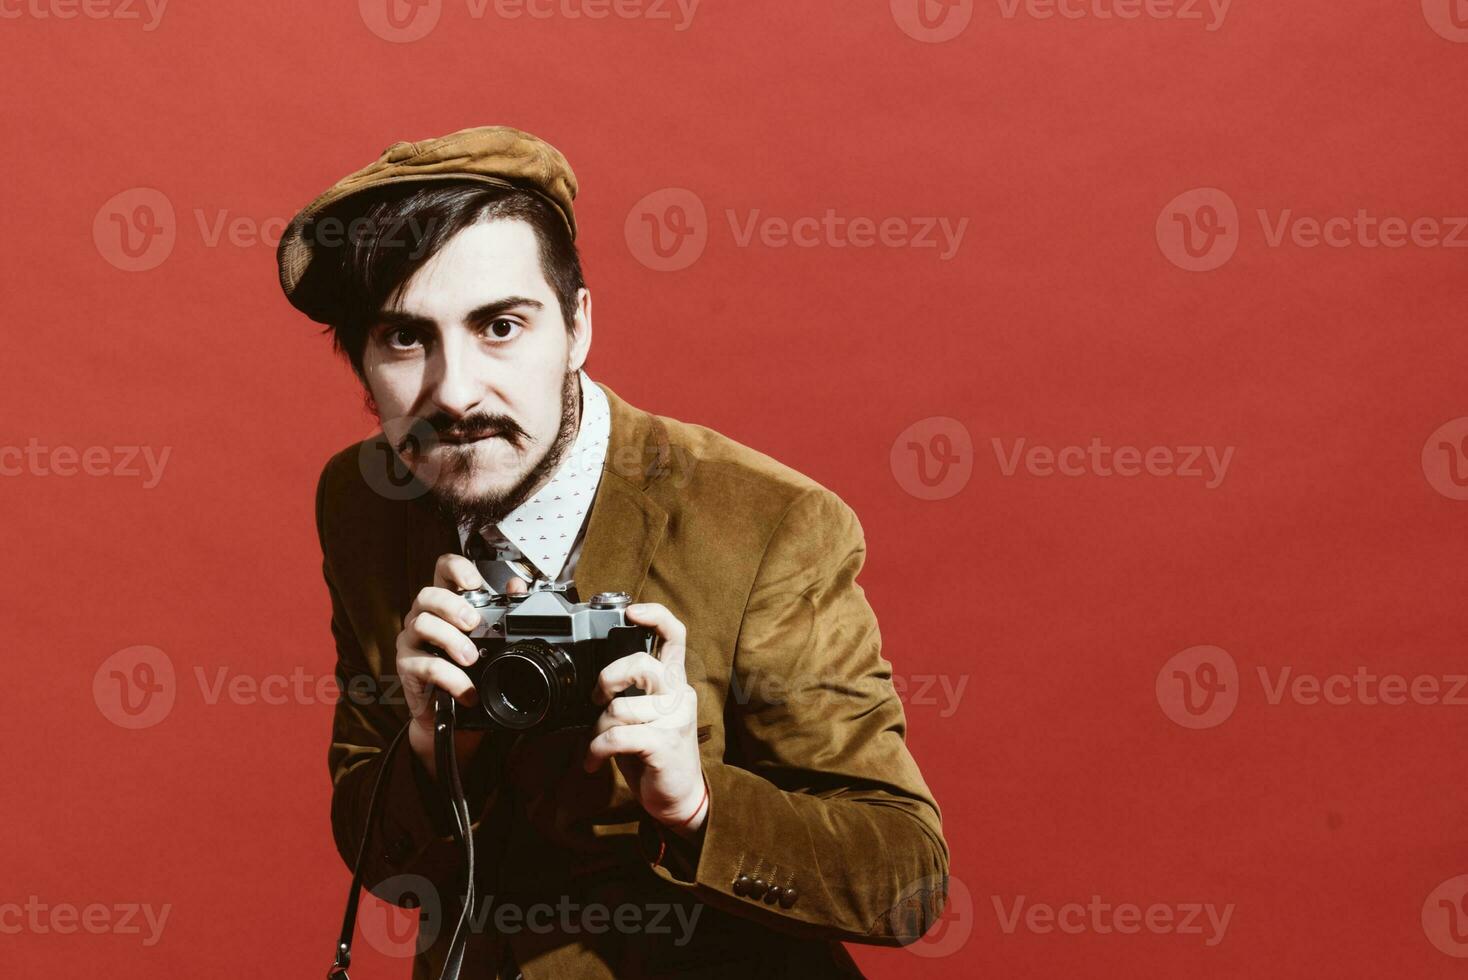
{"x": 443, "y": 428}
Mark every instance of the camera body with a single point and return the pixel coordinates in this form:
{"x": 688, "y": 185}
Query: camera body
{"x": 540, "y": 653}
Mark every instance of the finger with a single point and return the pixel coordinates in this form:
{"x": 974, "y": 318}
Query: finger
{"x": 673, "y": 652}
{"x": 641, "y": 740}
{"x": 456, "y": 572}
{"x": 638, "y": 669}
{"x": 673, "y": 710}
{"x": 447, "y": 606}
{"x": 429, "y": 671}
{"x": 428, "y": 629}
{"x": 673, "y": 657}
{"x": 516, "y": 584}
{"x": 656, "y": 615}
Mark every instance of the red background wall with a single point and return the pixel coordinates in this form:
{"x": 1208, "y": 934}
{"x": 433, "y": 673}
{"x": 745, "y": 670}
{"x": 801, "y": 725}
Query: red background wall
{"x": 1333, "y": 543}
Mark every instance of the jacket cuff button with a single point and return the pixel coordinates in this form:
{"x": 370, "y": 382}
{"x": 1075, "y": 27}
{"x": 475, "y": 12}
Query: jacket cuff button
{"x": 787, "y": 898}
{"x": 741, "y": 885}
{"x": 756, "y": 888}
{"x": 773, "y": 895}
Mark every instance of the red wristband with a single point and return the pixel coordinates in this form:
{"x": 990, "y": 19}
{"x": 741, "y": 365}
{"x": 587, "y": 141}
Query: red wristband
{"x": 662, "y": 831}
{"x": 696, "y": 810}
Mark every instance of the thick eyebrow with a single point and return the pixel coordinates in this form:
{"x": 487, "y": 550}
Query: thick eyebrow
{"x": 478, "y": 316}
{"x": 487, "y": 313}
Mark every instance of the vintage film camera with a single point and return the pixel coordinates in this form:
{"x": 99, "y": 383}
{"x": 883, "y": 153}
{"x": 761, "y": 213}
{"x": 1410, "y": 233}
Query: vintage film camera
{"x": 540, "y": 653}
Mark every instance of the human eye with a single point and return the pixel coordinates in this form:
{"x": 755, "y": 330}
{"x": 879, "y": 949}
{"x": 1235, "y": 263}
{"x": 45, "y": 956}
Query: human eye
{"x": 400, "y": 338}
{"x": 502, "y": 329}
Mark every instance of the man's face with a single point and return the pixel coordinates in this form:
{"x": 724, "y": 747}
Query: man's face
{"x": 473, "y": 353}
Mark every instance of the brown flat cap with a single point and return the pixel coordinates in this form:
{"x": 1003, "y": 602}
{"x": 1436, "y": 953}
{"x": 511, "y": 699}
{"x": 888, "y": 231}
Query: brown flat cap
{"x": 498, "y": 155}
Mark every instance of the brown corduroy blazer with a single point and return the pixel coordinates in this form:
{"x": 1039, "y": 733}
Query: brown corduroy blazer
{"x": 820, "y": 827}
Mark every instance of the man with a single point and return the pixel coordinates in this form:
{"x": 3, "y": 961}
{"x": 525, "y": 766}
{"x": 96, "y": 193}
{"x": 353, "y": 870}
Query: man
{"x": 756, "y": 804}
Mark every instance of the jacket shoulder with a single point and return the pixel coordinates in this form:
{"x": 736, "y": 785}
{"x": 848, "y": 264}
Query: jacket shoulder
{"x": 356, "y": 491}
{"x": 740, "y": 482}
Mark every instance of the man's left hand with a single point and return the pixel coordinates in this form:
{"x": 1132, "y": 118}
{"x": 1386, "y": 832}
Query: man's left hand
{"x": 654, "y": 738}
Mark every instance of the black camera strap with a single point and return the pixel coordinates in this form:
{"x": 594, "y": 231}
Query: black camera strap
{"x": 447, "y": 762}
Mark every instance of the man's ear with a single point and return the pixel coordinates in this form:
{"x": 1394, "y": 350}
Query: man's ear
{"x": 580, "y": 331}
{"x": 368, "y": 402}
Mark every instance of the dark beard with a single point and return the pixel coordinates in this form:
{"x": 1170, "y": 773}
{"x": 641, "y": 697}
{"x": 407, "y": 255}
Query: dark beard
{"x": 488, "y": 509}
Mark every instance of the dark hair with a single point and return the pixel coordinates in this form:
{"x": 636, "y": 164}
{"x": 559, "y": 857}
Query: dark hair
{"x": 383, "y": 238}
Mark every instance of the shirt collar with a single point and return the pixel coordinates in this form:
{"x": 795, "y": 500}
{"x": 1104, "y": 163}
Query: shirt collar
{"x": 547, "y": 526}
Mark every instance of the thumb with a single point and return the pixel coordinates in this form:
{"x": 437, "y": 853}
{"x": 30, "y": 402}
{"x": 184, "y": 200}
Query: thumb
{"x": 516, "y": 584}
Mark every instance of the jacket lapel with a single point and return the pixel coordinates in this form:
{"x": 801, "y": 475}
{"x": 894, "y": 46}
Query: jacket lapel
{"x": 624, "y": 528}
{"x": 625, "y": 525}
{"x": 429, "y": 535}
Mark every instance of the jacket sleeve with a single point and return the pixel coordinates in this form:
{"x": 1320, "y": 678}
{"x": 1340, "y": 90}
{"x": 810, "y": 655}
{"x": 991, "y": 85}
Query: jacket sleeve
{"x": 413, "y": 836}
{"x": 825, "y": 826}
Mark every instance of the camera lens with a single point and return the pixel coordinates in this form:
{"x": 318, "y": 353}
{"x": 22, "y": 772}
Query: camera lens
{"x": 522, "y": 686}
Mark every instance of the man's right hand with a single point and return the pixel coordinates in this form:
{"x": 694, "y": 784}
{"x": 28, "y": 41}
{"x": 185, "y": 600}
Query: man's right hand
{"x": 433, "y": 650}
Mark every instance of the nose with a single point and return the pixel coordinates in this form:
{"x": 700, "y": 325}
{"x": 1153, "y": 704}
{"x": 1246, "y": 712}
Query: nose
{"x": 455, "y": 385}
